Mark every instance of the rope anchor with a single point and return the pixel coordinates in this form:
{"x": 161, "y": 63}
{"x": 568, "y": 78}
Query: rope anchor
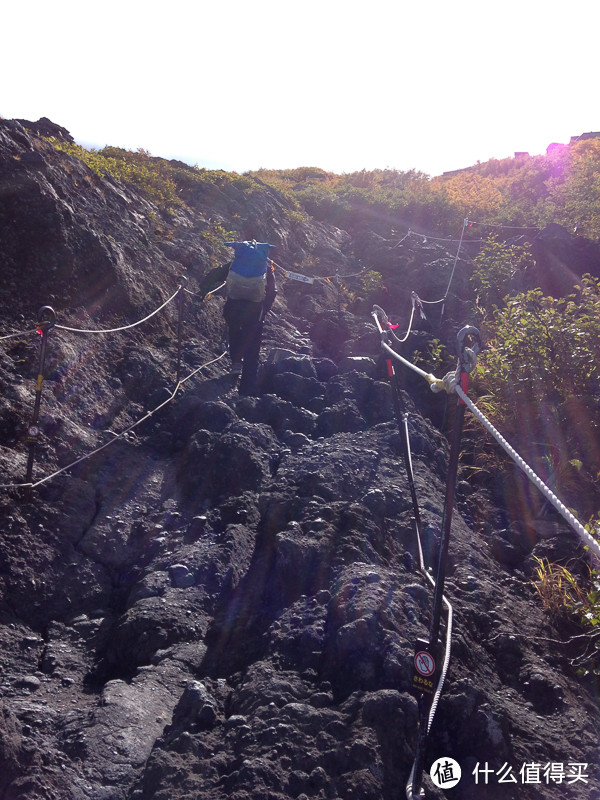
{"x": 426, "y": 652}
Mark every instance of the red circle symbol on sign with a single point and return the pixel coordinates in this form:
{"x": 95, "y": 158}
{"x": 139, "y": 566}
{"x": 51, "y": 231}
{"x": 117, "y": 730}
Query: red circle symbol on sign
{"x": 424, "y": 663}
{"x": 33, "y": 430}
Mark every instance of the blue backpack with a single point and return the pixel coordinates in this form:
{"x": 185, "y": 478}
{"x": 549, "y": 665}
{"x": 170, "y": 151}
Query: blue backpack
{"x": 251, "y": 258}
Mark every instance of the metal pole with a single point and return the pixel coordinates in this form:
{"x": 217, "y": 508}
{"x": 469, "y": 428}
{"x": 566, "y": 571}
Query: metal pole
{"x": 434, "y": 629}
{"x": 180, "y": 298}
{"x": 47, "y": 319}
{"x": 459, "y": 418}
{"x": 466, "y": 361}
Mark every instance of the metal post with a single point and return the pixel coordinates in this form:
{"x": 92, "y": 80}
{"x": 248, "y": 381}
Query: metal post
{"x": 466, "y": 361}
{"x": 180, "y": 298}
{"x": 47, "y": 319}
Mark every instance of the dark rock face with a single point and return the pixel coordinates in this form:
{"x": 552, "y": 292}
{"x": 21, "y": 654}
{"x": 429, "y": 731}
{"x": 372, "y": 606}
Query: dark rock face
{"x": 224, "y": 602}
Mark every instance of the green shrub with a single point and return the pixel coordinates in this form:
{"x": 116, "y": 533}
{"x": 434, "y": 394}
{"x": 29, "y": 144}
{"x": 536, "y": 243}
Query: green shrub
{"x": 539, "y": 382}
{"x": 372, "y": 280}
{"x": 148, "y": 175}
{"x": 495, "y": 266}
{"x": 577, "y": 601}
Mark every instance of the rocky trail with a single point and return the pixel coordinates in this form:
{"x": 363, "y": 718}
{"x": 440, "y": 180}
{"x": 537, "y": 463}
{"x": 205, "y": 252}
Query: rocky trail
{"x": 224, "y": 602}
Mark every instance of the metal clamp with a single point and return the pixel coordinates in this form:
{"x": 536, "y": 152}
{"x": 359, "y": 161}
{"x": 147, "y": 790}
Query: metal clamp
{"x": 469, "y": 345}
{"x": 382, "y": 322}
{"x": 50, "y": 322}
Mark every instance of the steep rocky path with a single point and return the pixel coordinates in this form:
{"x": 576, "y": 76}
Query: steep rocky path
{"x": 224, "y": 603}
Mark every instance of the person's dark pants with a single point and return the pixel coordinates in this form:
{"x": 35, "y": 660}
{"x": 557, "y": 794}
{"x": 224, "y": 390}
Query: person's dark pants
{"x": 245, "y": 323}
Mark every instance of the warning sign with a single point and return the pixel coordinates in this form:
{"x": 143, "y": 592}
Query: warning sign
{"x": 424, "y": 663}
{"x": 32, "y": 434}
{"x": 426, "y": 657}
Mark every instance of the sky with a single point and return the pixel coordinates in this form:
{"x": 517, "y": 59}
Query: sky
{"x": 337, "y": 84}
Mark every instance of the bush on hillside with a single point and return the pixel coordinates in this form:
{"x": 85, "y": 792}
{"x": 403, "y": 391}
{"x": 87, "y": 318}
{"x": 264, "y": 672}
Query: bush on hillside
{"x": 539, "y": 382}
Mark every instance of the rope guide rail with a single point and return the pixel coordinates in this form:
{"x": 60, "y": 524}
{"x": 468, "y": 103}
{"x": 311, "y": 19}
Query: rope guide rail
{"x": 47, "y": 322}
{"x": 428, "y": 651}
{"x": 429, "y": 697}
{"x": 116, "y": 436}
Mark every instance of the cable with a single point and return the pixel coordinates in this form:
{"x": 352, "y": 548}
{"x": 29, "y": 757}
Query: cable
{"x": 415, "y": 301}
{"x": 124, "y": 327}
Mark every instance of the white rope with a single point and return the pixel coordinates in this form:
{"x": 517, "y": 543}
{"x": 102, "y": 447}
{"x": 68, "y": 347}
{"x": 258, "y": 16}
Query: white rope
{"x": 431, "y": 379}
{"x": 449, "y": 383}
{"x": 415, "y": 299}
{"x": 402, "y": 239}
{"x": 462, "y": 233}
{"x": 131, "y": 427}
{"x": 15, "y": 485}
{"x": 339, "y": 277}
{"x": 425, "y": 237}
{"x": 221, "y": 286}
{"x": 503, "y": 227}
{"x": 124, "y": 327}
{"x": 586, "y": 537}
{"x": 275, "y": 264}
{"x": 321, "y": 277}
{"x": 208, "y": 294}
{"x": 16, "y": 335}
{"x": 410, "y": 322}
{"x": 115, "y": 435}
{"x": 460, "y": 242}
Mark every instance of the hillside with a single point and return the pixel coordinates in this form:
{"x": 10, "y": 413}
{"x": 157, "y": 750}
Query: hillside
{"x": 224, "y": 601}
{"x": 525, "y": 192}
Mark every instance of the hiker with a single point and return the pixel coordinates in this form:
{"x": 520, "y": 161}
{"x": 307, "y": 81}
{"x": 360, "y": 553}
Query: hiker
{"x": 251, "y": 290}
